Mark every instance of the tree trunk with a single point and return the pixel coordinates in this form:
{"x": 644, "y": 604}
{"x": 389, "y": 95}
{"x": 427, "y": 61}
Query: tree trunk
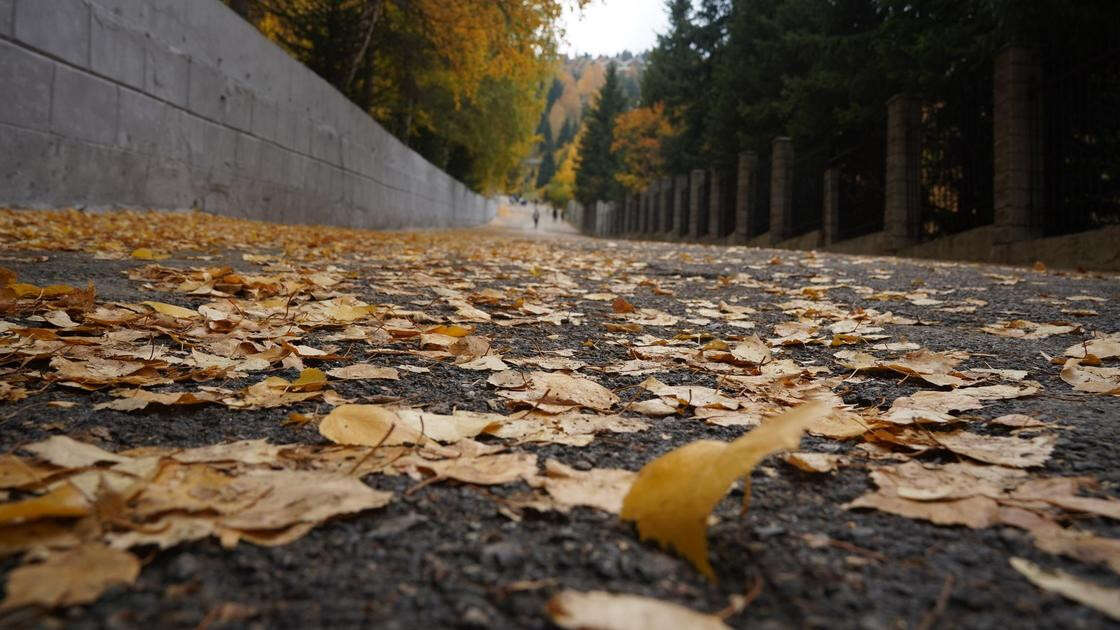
{"x": 370, "y": 17}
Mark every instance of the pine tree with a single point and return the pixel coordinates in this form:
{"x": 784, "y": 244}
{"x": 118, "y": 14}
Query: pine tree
{"x": 595, "y": 174}
{"x": 547, "y": 169}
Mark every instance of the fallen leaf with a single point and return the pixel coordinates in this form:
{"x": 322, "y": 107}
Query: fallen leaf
{"x": 75, "y": 576}
{"x": 1095, "y": 596}
{"x": 673, "y": 495}
{"x": 600, "y": 610}
{"x": 364, "y": 371}
{"x": 1095, "y": 380}
{"x": 177, "y": 312}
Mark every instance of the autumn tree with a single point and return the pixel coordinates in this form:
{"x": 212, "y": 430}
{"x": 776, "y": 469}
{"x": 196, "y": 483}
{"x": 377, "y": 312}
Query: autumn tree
{"x": 639, "y": 138}
{"x": 457, "y": 81}
{"x": 598, "y": 163}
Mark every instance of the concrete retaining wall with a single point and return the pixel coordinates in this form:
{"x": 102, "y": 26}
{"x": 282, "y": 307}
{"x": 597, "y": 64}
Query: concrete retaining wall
{"x": 175, "y": 104}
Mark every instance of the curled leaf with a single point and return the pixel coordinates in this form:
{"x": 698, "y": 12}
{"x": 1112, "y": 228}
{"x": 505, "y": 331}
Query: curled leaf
{"x": 673, "y": 495}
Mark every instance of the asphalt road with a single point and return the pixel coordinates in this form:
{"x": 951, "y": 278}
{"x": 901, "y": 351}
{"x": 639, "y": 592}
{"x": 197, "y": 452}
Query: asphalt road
{"x": 455, "y": 554}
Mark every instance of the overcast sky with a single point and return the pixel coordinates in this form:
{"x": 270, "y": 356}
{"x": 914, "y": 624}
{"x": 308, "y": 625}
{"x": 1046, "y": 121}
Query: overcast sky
{"x": 607, "y": 27}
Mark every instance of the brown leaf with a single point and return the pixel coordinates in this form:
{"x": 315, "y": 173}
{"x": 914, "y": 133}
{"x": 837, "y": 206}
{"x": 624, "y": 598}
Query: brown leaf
{"x": 76, "y": 576}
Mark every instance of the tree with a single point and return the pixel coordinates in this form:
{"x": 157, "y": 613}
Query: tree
{"x": 639, "y": 136}
{"x": 595, "y": 173}
{"x": 547, "y": 169}
{"x": 457, "y": 81}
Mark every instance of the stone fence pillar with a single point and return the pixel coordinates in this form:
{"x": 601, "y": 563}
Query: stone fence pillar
{"x": 697, "y": 213}
{"x": 744, "y": 195}
{"x": 781, "y": 190}
{"x": 1018, "y": 167}
{"x": 831, "y": 195}
{"x": 902, "y": 220}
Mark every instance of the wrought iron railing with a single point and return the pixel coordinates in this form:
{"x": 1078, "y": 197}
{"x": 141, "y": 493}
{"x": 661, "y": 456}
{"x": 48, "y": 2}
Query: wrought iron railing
{"x": 1081, "y": 141}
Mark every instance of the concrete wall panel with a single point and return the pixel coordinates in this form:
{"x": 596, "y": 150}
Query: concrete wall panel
{"x": 181, "y": 104}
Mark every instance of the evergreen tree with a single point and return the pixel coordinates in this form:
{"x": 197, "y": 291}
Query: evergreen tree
{"x": 595, "y": 174}
{"x": 567, "y": 133}
{"x": 547, "y": 169}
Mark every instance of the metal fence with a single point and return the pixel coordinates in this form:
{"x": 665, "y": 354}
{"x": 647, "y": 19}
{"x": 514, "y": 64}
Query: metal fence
{"x": 808, "y": 191}
{"x": 956, "y": 165}
{"x": 1081, "y": 142}
{"x": 760, "y": 218}
{"x": 862, "y": 184}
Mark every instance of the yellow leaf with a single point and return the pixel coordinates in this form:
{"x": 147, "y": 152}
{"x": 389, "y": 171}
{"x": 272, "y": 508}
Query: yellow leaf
{"x": 143, "y": 253}
{"x": 673, "y": 495}
{"x": 65, "y": 500}
{"x": 452, "y": 330}
{"x": 310, "y": 380}
{"x": 170, "y": 309}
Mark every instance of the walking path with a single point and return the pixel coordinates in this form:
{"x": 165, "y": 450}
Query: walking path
{"x": 437, "y": 429}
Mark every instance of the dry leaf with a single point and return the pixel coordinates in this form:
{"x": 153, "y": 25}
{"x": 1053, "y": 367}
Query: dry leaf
{"x": 1005, "y": 451}
{"x": 674, "y": 494}
{"x": 364, "y": 371}
{"x": 177, "y": 312}
{"x": 600, "y": 610}
{"x": 814, "y": 462}
{"x": 1095, "y": 596}
{"x": 1096, "y": 380}
{"x": 67, "y": 452}
{"x": 76, "y": 576}
{"x": 601, "y": 488}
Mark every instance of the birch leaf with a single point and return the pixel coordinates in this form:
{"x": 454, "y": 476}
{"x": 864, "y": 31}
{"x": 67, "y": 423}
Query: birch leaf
{"x": 673, "y": 495}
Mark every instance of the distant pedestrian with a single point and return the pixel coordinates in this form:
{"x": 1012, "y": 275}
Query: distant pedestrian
{"x": 536, "y": 216}
{"x": 555, "y": 215}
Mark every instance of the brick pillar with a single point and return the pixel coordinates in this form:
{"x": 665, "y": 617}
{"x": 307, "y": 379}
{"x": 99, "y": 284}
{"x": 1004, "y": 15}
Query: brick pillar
{"x": 666, "y": 191}
{"x": 781, "y": 190}
{"x": 1019, "y": 201}
{"x": 744, "y": 195}
{"x": 697, "y": 214}
{"x": 902, "y": 220}
{"x": 831, "y": 190}
{"x": 715, "y": 204}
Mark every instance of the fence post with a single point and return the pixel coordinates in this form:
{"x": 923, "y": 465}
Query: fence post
{"x": 831, "y": 189}
{"x": 744, "y": 195}
{"x": 903, "y": 208}
{"x": 697, "y": 215}
{"x": 715, "y": 204}
{"x": 781, "y": 190}
{"x": 1018, "y": 185}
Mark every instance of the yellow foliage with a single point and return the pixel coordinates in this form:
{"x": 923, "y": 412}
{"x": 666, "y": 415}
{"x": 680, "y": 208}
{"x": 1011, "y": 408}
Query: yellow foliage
{"x": 638, "y": 138}
{"x": 673, "y": 495}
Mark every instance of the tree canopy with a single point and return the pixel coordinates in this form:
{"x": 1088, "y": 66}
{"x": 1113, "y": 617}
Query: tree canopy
{"x": 461, "y": 82}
